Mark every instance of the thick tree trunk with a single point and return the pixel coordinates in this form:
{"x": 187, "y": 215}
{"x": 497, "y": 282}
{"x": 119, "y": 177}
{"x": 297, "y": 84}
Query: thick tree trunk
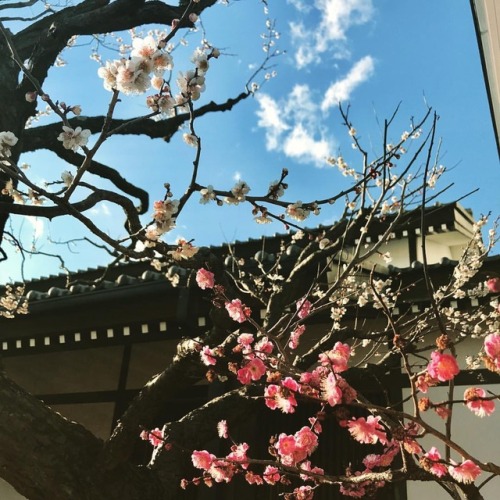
{"x": 46, "y": 457}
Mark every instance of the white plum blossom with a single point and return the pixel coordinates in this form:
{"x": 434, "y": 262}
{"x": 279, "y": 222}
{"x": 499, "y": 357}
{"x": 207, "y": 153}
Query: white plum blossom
{"x": 207, "y": 194}
{"x": 164, "y": 211}
{"x": 190, "y": 140}
{"x": 7, "y": 141}
{"x": 276, "y": 190}
{"x": 295, "y": 211}
{"x": 144, "y": 48}
{"x": 164, "y": 104}
{"x": 200, "y": 60}
{"x": 185, "y": 250}
{"x": 263, "y": 219}
{"x": 240, "y": 189}
{"x": 67, "y": 178}
{"x": 157, "y": 82}
{"x": 74, "y": 138}
{"x": 133, "y": 75}
{"x": 8, "y": 188}
{"x": 191, "y": 84}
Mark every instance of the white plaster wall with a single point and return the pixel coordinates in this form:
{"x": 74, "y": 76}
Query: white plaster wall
{"x": 7, "y": 492}
{"x": 435, "y": 251}
{"x": 399, "y": 252}
{"x": 479, "y": 436}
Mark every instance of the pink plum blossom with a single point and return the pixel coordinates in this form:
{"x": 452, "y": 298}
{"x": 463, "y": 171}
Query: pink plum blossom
{"x": 384, "y": 460}
{"x": 368, "y": 430}
{"x": 438, "y": 469}
{"x": 331, "y": 392}
{"x": 239, "y": 454}
{"x": 354, "y": 490}
{"x": 253, "y": 370}
{"x": 295, "y": 336}
{"x": 493, "y": 285}
{"x": 337, "y": 357}
{"x": 306, "y": 439}
{"x": 237, "y": 310}
{"x": 202, "y": 459}
{"x": 476, "y": 404}
{"x": 271, "y": 474}
{"x": 442, "y": 367}
{"x": 222, "y": 429}
{"x": 466, "y": 472}
{"x": 306, "y": 466}
{"x": 442, "y": 411}
{"x": 155, "y": 437}
{"x": 290, "y": 383}
{"x": 295, "y": 449}
{"x": 303, "y": 308}
{"x": 264, "y": 346}
{"x": 252, "y": 478}
{"x": 207, "y": 356}
{"x": 222, "y": 471}
{"x": 245, "y": 339}
{"x": 277, "y": 397}
{"x": 205, "y": 279}
{"x": 492, "y": 348}
{"x": 303, "y": 493}
{"x": 286, "y": 447}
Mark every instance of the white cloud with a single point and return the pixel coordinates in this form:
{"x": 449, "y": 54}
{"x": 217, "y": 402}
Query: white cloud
{"x": 269, "y": 118}
{"x": 297, "y": 125}
{"x": 302, "y": 146}
{"x": 38, "y": 226}
{"x": 300, "y": 5}
{"x": 336, "y": 18}
{"x": 101, "y": 209}
{"x": 341, "y": 90}
{"x": 294, "y": 127}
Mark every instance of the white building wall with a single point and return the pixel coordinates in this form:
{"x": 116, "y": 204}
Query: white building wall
{"x": 435, "y": 251}
{"x": 479, "y": 436}
{"x": 7, "y": 492}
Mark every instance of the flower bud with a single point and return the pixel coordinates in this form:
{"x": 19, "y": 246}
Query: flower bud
{"x": 31, "y": 96}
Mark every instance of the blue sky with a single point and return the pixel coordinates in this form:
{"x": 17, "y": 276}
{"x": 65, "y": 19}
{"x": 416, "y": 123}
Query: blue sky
{"x": 371, "y": 55}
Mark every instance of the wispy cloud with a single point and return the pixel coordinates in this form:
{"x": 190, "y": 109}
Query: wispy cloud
{"x": 297, "y": 126}
{"x": 101, "y": 209}
{"x": 336, "y": 17}
{"x": 341, "y": 90}
{"x": 38, "y": 226}
{"x": 293, "y": 126}
{"x": 300, "y": 5}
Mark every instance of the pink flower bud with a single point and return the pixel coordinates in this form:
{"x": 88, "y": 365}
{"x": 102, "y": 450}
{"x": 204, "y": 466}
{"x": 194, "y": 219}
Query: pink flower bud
{"x": 193, "y": 17}
{"x": 175, "y": 23}
{"x": 31, "y": 96}
{"x": 493, "y": 285}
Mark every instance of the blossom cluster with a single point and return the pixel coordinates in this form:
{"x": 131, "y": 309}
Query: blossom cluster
{"x": 164, "y": 215}
{"x": 13, "y": 302}
{"x": 133, "y": 75}
{"x": 260, "y": 359}
{"x": 7, "y": 141}
{"x": 149, "y": 59}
